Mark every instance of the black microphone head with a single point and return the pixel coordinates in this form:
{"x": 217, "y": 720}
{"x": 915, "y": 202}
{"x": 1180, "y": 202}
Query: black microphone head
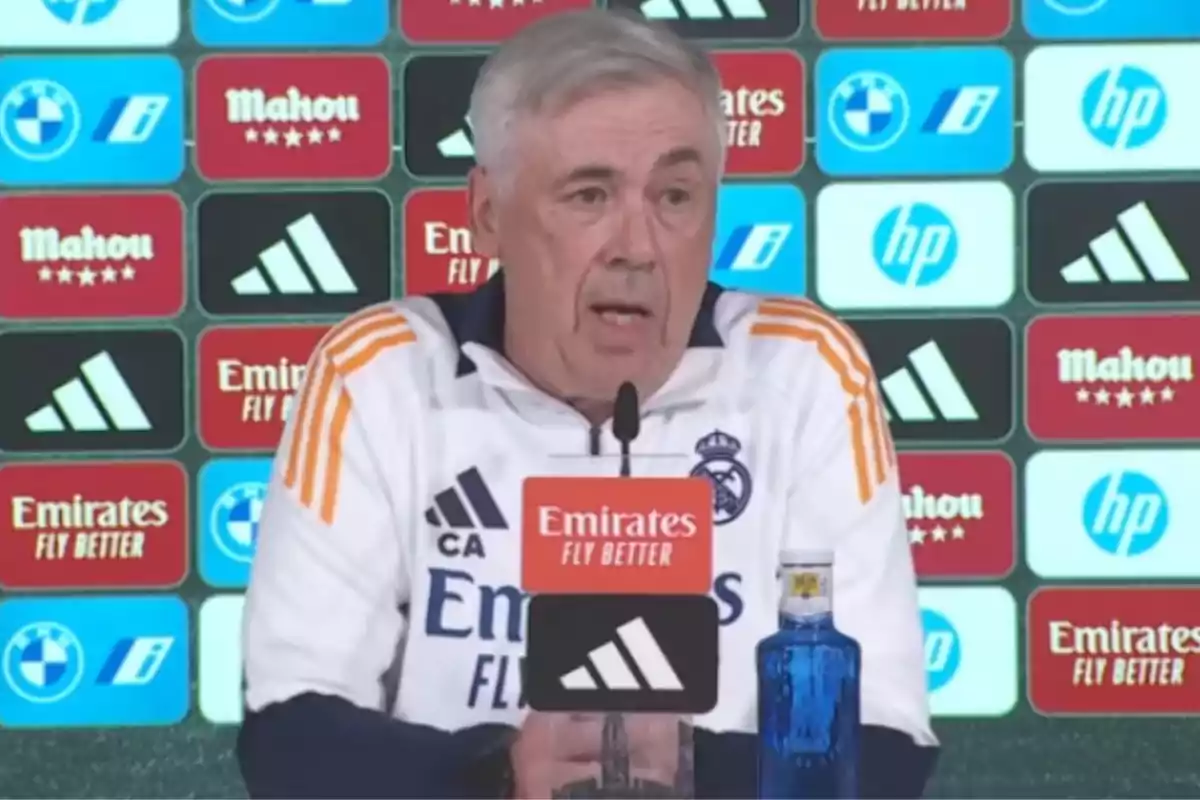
{"x": 627, "y": 417}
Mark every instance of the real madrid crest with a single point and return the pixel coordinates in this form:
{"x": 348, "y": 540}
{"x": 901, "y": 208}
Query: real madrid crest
{"x": 730, "y": 479}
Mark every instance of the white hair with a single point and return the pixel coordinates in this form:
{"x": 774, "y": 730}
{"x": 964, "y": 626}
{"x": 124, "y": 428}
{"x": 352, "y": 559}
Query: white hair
{"x": 565, "y": 56}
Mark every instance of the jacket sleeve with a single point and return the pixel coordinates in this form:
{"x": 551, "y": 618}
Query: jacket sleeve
{"x": 845, "y": 498}
{"x": 323, "y": 621}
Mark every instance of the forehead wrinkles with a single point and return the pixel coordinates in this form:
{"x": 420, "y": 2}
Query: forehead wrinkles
{"x": 593, "y": 130}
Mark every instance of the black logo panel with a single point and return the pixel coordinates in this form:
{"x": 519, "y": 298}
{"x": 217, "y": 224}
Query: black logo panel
{"x": 722, "y": 19}
{"x": 622, "y": 653}
{"x": 437, "y": 92}
{"x": 91, "y": 391}
{"x": 947, "y": 380}
{"x": 294, "y": 252}
{"x": 1133, "y": 242}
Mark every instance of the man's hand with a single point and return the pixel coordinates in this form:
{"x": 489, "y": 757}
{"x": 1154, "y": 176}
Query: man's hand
{"x": 562, "y": 755}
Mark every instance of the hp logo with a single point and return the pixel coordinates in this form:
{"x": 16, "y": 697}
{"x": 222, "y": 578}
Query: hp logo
{"x": 915, "y": 244}
{"x": 1124, "y": 108}
{"x": 81, "y": 12}
{"x": 943, "y": 652}
{"x": 1125, "y": 513}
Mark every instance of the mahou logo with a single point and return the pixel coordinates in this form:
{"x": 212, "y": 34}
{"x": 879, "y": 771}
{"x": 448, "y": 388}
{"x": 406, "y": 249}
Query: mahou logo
{"x": 248, "y": 379}
{"x": 293, "y": 117}
{"x": 1114, "y": 651}
{"x": 763, "y": 98}
{"x": 437, "y": 244}
{"x": 91, "y": 256}
{"x": 1114, "y": 377}
{"x": 959, "y": 508}
{"x": 99, "y": 525}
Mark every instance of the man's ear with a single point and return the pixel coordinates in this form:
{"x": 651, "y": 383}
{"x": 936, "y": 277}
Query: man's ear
{"x": 481, "y": 208}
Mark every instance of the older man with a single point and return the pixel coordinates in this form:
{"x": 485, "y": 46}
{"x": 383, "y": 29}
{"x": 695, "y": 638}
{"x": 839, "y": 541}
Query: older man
{"x": 381, "y": 662}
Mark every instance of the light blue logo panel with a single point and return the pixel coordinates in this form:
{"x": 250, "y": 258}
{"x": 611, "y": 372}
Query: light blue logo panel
{"x": 760, "y": 243}
{"x": 80, "y": 24}
{"x": 1112, "y": 108}
{"x": 1112, "y": 19}
{"x": 933, "y": 111}
{"x": 94, "y": 661}
{"x": 231, "y": 493}
{"x": 937, "y": 244}
{"x": 1112, "y": 514}
{"x": 91, "y": 120}
{"x": 289, "y": 23}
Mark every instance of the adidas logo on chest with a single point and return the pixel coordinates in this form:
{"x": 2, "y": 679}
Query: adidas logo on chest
{"x": 462, "y": 512}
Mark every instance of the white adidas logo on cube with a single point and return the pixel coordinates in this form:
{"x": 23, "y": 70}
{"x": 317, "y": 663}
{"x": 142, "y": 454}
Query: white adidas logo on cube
{"x": 614, "y": 670}
{"x": 74, "y": 408}
{"x": 1110, "y": 258}
{"x": 930, "y": 367}
{"x": 285, "y": 271}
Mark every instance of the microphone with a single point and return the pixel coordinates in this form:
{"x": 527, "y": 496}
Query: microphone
{"x": 627, "y": 421}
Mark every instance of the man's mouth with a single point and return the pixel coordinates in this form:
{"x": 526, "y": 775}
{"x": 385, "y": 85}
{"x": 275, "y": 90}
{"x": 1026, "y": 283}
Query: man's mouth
{"x": 620, "y": 314}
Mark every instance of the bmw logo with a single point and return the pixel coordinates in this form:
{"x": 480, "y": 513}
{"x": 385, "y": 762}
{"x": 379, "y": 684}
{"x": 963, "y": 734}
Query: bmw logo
{"x": 243, "y": 10}
{"x": 234, "y": 521}
{"x": 43, "y": 662}
{"x": 868, "y": 111}
{"x": 39, "y": 120}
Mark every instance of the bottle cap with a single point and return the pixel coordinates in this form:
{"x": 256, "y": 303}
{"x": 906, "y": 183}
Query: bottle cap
{"x": 806, "y": 558}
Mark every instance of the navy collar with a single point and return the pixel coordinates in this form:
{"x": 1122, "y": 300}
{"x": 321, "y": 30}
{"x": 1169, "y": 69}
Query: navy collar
{"x": 478, "y": 317}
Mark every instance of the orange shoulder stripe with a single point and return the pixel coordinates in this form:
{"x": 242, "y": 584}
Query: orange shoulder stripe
{"x": 314, "y": 461}
{"x": 839, "y": 348}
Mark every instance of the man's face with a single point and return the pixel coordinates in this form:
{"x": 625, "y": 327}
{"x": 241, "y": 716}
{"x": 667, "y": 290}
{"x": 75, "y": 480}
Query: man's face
{"x": 605, "y": 233}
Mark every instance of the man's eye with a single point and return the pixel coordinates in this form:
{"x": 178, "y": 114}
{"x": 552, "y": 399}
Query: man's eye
{"x": 677, "y": 196}
{"x": 589, "y": 196}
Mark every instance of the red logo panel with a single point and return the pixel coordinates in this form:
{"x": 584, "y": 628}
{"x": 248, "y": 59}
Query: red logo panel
{"x": 248, "y": 380}
{"x": 96, "y": 525}
{"x": 437, "y": 244}
{"x": 960, "y": 513}
{"x": 1114, "y": 651}
{"x": 451, "y": 21}
{"x": 763, "y": 95}
{"x": 91, "y": 256}
{"x": 1117, "y": 377}
{"x": 912, "y": 19}
{"x": 293, "y": 117}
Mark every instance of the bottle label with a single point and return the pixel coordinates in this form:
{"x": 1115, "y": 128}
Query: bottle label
{"x": 807, "y": 591}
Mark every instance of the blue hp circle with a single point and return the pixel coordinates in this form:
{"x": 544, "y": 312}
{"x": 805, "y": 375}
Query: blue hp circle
{"x": 943, "y": 652}
{"x": 43, "y": 662}
{"x": 1124, "y": 108}
{"x": 915, "y": 244}
{"x": 81, "y": 12}
{"x": 234, "y": 520}
{"x": 39, "y": 120}
{"x": 1126, "y": 513}
{"x": 243, "y": 10}
{"x": 868, "y": 111}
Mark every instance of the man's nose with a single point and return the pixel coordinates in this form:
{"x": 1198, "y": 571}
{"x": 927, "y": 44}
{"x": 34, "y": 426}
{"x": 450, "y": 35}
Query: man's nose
{"x": 636, "y": 237}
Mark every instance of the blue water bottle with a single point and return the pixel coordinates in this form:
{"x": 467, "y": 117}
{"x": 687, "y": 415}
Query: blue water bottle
{"x": 808, "y": 690}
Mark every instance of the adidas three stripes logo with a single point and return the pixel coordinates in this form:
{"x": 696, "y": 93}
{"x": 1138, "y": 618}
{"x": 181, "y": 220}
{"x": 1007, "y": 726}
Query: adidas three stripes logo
{"x": 1114, "y": 260}
{"x": 633, "y": 661}
{"x": 704, "y": 9}
{"x": 280, "y": 266}
{"x": 942, "y": 398}
{"x": 468, "y": 505}
{"x": 98, "y": 400}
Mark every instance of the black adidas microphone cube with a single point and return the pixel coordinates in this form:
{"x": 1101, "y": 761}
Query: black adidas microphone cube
{"x": 630, "y": 653}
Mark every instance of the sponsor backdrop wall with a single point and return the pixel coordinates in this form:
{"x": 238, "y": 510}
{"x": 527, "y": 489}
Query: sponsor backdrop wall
{"x": 999, "y": 197}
